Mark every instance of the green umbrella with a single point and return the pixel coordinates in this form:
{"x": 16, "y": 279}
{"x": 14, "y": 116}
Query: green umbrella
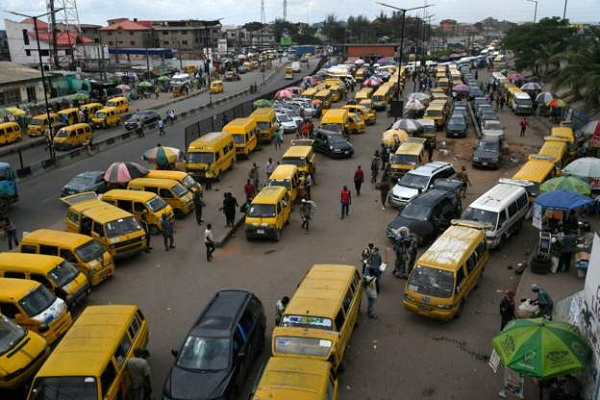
{"x": 570, "y": 183}
{"x": 145, "y": 84}
{"x": 541, "y": 348}
{"x": 163, "y": 78}
{"x": 262, "y": 103}
{"x": 80, "y": 96}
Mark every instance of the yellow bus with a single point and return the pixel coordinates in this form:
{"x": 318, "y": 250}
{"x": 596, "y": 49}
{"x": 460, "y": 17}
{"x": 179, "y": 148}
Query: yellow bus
{"x": 381, "y": 98}
{"x": 210, "y": 155}
{"x": 536, "y": 172}
{"x": 90, "y": 362}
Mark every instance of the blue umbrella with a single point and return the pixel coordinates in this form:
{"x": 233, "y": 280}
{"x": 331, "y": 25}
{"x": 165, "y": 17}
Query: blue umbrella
{"x": 562, "y": 200}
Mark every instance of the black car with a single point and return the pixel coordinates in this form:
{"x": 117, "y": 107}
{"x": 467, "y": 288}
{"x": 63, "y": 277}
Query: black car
{"x": 89, "y": 181}
{"x": 427, "y": 215}
{"x": 332, "y": 144}
{"x": 142, "y": 118}
{"x": 488, "y": 152}
{"x": 456, "y": 126}
{"x": 220, "y": 349}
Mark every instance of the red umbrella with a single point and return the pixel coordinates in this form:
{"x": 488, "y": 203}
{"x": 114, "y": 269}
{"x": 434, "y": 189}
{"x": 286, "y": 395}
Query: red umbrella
{"x": 294, "y": 89}
{"x": 284, "y": 94}
{"x": 123, "y": 172}
{"x": 591, "y": 128}
{"x": 372, "y": 82}
{"x": 515, "y": 77}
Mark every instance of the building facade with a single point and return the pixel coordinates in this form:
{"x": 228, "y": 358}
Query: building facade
{"x": 19, "y": 84}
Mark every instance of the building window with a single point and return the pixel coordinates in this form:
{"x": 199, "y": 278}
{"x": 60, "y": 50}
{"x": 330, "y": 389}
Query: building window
{"x": 165, "y": 42}
{"x": 120, "y": 42}
{"x": 25, "y": 37}
{"x": 68, "y": 52}
{"x": 109, "y": 33}
{"x": 31, "y": 95}
{"x": 110, "y": 42}
{"x": 10, "y": 96}
{"x": 184, "y": 42}
{"x": 132, "y": 43}
{"x": 165, "y": 33}
{"x": 45, "y": 53}
{"x": 96, "y": 40}
{"x": 28, "y": 53}
{"x": 130, "y": 33}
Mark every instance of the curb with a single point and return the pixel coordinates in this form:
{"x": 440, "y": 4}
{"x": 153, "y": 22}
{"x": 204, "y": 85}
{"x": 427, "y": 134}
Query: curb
{"x": 220, "y": 242}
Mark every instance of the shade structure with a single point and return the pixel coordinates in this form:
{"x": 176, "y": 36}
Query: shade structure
{"x": 461, "y": 88}
{"x": 295, "y": 89}
{"x": 122, "y": 172}
{"x": 585, "y": 167}
{"x": 414, "y": 105}
{"x": 373, "y": 81}
{"x": 541, "y": 348}
{"x": 592, "y": 128}
{"x": 388, "y": 138}
{"x": 359, "y": 61}
{"x": 163, "y": 155}
{"x": 544, "y": 97}
{"x": 262, "y": 103}
{"x": 407, "y": 125}
{"x": 531, "y": 86}
{"x": 123, "y": 87}
{"x": 568, "y": 183}
{"x": 80, "y": 96}
{"x": 284, "y": 94}
{"x": 163, "y": 78}
{"x": 515, "y": 77}
{"x": 558, "y": 103}
{"x": 419, "y": 96}
{"x": 562, "y": 200}
{"x": 145, "y": 84}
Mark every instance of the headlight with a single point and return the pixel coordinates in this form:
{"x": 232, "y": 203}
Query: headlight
{"x": 475, "y": 158}
{"x": 330, "y": 147}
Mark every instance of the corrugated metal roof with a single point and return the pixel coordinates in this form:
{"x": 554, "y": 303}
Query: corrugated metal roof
{"x": 11, "y": 72}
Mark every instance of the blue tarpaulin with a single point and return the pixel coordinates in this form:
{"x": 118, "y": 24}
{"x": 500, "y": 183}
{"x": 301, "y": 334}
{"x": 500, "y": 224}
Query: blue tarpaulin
{"x": 562, "y": 200}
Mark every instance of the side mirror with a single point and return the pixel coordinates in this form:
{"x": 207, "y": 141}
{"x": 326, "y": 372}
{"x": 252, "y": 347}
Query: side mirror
{"x": 174, "y": 353}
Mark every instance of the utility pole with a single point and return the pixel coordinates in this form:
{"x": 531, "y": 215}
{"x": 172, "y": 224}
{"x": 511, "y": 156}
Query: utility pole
{"x": 535, "y": 10}
{"x": 565, "y": 10}
{"x": 403, "y": 11}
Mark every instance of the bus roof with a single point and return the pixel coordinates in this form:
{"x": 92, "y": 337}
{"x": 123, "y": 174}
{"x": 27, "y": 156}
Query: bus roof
{"x": 53, "y": 237}
{"x": 449, "y": 250}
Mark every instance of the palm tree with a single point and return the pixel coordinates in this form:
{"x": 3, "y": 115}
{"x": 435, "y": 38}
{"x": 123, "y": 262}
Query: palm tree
{"x": 581, "y": 74}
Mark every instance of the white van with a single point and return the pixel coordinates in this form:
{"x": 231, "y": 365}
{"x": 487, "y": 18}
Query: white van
{"x": 503, "y": 208}
{"x": 181, "y": 80}
{"x": 522, "y": 104}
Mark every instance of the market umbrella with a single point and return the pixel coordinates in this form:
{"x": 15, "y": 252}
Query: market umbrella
{"x": 562, "y": 200}
{"x": 15, "y": 112}
{"x": 262, "y": 103}
{"x": 532, "y": 79}
{"x": 123, "y": 87}
{"x": 372, "y": 81}
{"x": 163, "y": 155}
{"x": 123, "y": 172}
{"x": 163, "y": 78}
{"x": 570, "y": 183}
{"x": 316, "y": 102}
{"x": 558, "y": 103}
{"x": 461, "y": 88}
{"x": 359, "y": 61}
{"x": 414, "y": 105}
{"x": 145, "y": 84}
{"x": 531, "y": 86}
{"x": 544, "y": 97}
{"x": 585, "y": 167}
{"x": 284, "y": 94}
{"x": 590, "y": 129}
{"x": 515, "y": 77}
{"x": 541, "y": 348}
{"x": 80, "y": 96}
{"x": 407, "y": 125}
{"x": 418, "y": 96}
{"x": 295, "y": 89}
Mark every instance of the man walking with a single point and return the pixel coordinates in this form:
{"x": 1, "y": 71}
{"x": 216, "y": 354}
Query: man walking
{"x": 384, "y": 189}
{"x": 359, "y": 178}
{"x": 374, "y": 266}
{"x": 11, "y": 232}
{"x": 346, "y": 200}
{"x": 209, "y": 242}
{"x": 269, "y": 168}
{"x": 524, "y": 124}
{"x": 429, "y": 148}
{"x": 144, "y": 224}
{"x": 375, "y": 167}
{"x": 305, "y": 214}
{"x": 307, "y": 185}
{"x": 566, "y": 253}
{"x": 198, "y": 204}
{"x": 161, "y": 127}
{"x": 229, "y": 206}
{"x": 253, "y": 175}
{"x": 464, "y": 177}
{"x": 139, "y": 374}
{"x": 371, "y": 291}
{"x": 249, "y": 191}
{"x": 167, "y": 231}
{"x": 507, "y": 308}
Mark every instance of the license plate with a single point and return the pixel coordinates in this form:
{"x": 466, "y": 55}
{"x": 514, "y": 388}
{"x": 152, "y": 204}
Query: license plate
{"x": 424, "y": 308}
{"x": 484, "y": 163}
{"x": 260, "y": 231}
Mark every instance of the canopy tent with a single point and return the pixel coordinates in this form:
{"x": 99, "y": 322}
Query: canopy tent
{"x": 562, "y": 200}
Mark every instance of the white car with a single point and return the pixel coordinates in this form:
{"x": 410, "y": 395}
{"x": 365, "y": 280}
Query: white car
{"x": 419, "y": 180}
{"x": 492, "y": 127}
{"x": 288, "y": 124}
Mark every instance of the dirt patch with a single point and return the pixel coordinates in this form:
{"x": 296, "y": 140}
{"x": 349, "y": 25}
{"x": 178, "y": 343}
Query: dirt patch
{"x": 428, "y": 392}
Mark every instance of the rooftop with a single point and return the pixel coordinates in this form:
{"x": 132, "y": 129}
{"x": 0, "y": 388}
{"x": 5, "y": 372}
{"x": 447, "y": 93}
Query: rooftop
{"x": 11, "y": 72}
{"x": 126, "y": 25}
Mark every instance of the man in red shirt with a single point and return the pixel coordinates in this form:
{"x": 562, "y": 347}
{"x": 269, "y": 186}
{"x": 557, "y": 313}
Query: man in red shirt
{"x": 359, "y": 177}
{"x": 249, "y": 190}
{"x": 346, "y": 200}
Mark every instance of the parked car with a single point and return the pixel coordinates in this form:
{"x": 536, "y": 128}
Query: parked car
{"x": 460, "y": 108}
{"x": 456, "y": 126}
{"x": 492, "y": 127}
{"x": 289, "y": 126}
{"x": 419, "y": 180}
{"x": 488, "y": 152}
{"x": 332, "y": 144}
{"x": 487, "y": 116}
{"x": 231, "y": 76}
{"x": 437, "y": 208}
{"x": 89, "y": 181}
{"x": 483, "y": 108}
{"x": 142, "y": 118}
{"x": 218, "y": 354}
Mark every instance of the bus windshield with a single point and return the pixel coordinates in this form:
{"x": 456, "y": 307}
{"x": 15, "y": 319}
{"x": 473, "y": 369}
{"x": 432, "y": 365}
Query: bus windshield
{"x": 431, "y": 281}
{"x": 64, "y": 273}
{"x": 77, "y": 387}
{"x": 37, "y": 301}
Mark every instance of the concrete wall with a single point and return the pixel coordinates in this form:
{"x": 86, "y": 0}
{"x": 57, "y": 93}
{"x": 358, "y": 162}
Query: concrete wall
{"x": 367, "y": 50}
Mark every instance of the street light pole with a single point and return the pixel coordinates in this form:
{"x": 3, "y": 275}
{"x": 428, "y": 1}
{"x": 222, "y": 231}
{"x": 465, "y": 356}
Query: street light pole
{"x": 403, "y": 11}
{"x": 35, "y": 18}
{"x": 535, "y": 10}
{"x": 565, "y": 10}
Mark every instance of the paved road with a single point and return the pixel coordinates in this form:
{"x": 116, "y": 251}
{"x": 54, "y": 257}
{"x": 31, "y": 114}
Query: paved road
{"x": 39, "y": 153}
{"x": 396, "y": 356}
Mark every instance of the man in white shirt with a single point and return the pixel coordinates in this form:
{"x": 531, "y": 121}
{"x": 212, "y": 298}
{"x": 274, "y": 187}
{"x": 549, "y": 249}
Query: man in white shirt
{"x": 209, "y": 242}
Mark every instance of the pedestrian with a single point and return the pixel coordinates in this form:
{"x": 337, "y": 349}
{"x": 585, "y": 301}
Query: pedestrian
{"x": 346, "y": 200}
{"x": 507, "y": 308}
{"x": 359, "y": 178}
{"x": 253, "y": 175}
{"x": 384, "y": 189}
{"x": 307, "y": 186}
{"x": 249, "y": 191}
{"x": 229, "y": 206}
{"x": 207, "y": 183}
{"x": 139, "y": 375}
{"x": 429, "y": 149}
{"x": 385, "y": 156}
{"x": 375, "y": 167}
{"x": 144, "y": 223}
{"x": 278, "y": 137}
{"x": 371, "y": 291}
{"x": 280, "y": 307}
{"x": 305, "y": 130}
{"x": 305, "y": 214}
{"x": 374, "y": 265}
{"x": 502, "y": 101}
{"x": 10, "y": 230}
{"x": 161, "y": 127}
{"x": 269, "y": 168}
{"x": 167, "y": 232}
{"x": 566, "y": 252}
{"x": 198, "y": 205}
{"x": 209, "y": 242}
{"x": 524, "y": 124}
{"x": 544, "y": 301}
{"x": 365, "y": 255}
{"x": 464, "y": 177}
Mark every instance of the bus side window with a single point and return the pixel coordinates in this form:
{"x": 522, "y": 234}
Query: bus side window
{"x": 107, "y": 378}
{"x": 460, "y": 277}
{"x": 340, "y": 318}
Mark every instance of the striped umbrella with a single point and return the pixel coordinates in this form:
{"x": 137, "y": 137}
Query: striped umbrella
{"x": 590, "y": 129}
{"x": 544, "y": 97}
{"x": 414, "y": 105}
{"x": 558, "y": 103}
{"x": 531, "y": 86}
{"x": 407, "y": 125}
{"x": 123, "y": 172}
{"x": 163, "y": 155}
{"x": 372, "y": 82}
{"x": 284, "y": 94}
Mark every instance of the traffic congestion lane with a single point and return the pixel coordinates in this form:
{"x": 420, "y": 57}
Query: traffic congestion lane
{"x": 38, "y": 204}
{"x": 38, "y": 153}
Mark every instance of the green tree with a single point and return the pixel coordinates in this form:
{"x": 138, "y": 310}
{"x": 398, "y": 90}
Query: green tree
{"x": 334, "y": 29}
{"x": 253, "y": 26}
{"x": 580, "y": 72}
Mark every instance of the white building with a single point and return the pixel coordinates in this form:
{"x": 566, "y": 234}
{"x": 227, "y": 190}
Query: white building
{"x": 19, "y": 84}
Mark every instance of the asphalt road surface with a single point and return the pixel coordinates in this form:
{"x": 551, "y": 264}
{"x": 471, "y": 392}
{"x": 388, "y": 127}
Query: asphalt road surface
{"x": 399, "y": 355}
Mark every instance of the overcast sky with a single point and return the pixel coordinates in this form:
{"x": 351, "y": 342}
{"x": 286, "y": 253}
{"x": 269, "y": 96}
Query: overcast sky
{"x": 238, "y": 12}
